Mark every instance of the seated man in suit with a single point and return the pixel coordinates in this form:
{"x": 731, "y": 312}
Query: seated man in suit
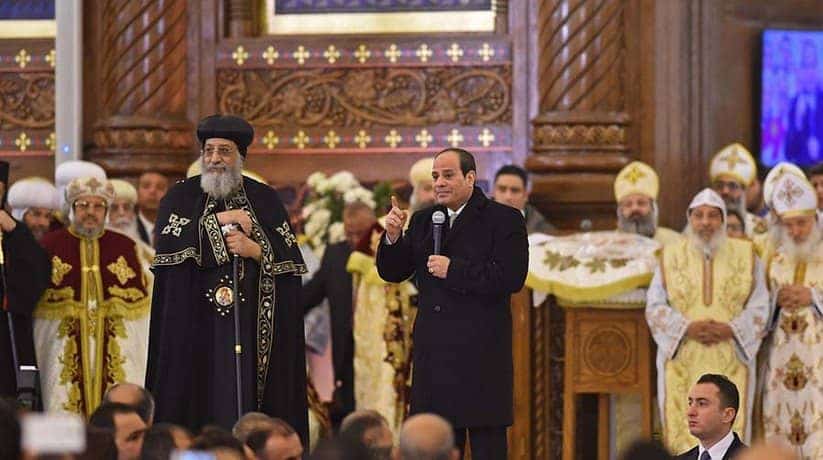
{"x": 713, "y": 405}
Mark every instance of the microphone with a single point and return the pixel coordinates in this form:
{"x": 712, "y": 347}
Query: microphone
{"x": 438, "y": 219}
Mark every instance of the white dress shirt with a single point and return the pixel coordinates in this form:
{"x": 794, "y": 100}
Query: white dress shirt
{"x": 718, "y": 451}
{"x": 149, "y": 226}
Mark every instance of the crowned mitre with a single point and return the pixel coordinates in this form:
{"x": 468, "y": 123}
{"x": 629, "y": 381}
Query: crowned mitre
{"x": 778, "y": 171}
{"x": 708, "y": 197}
{"x": 89, "y": 186}
{"x": 794, "y": 196}
{"x": 32, "y": 192}
{"x": 734, "y": 162}
{"x": 421, "y": 171}
{"x": 73, "y": 169}
{"x": 636, "y": 177}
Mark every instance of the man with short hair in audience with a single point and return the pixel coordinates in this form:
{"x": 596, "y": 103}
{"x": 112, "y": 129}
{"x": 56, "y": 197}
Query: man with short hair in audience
{"x": 279, "y": 442}
{"x": 126, "y": 424}
{"x": 134, "y": 395}
{"x": 249, "y": 423}
{"x": 707, "y": 308}
{"x": 713, "y": 404}
{"x": 162, "y": 439}
{"x": 369, "y": 429}
{"x": 511, "y": 187}
{"x": 220, "y": 443}
{"x": 151, "y": 188}
{"x": 427, "y": 437}
{"x": 33, "y": 201}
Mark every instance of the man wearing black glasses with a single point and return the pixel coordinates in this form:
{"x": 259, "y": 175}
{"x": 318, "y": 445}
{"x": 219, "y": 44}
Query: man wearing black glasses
{"x": 732, "y": 171}
{"x": 207, "y": 226}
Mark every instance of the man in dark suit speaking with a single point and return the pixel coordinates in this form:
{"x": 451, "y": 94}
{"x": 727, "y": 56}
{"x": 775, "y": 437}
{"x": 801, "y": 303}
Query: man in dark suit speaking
{"x": 462, "y": 358}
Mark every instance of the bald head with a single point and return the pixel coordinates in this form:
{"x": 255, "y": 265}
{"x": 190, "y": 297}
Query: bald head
{"x": 427, "y": 437}
{"x": 135, "y": 396}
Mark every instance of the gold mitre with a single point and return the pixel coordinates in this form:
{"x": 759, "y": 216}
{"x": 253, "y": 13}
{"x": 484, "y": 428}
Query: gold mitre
{"x": 636, "y": 177}
{"x": 774, "y": 175}
{"x": 794, "y": 196}
{"x": 735, "y": 162}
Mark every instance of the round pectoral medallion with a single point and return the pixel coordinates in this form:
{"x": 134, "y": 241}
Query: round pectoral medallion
{"x": 222, "y": 296}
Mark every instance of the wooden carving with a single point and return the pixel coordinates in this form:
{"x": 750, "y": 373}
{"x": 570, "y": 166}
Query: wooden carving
{"x": 26, "y": 100}
{"x": 357, "y": 97}
{"x": 582, "y": 45}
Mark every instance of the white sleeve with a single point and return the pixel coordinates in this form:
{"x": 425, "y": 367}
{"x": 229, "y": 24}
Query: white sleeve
{"x": 668, "y": 325}
{"x": 750, "y": 325}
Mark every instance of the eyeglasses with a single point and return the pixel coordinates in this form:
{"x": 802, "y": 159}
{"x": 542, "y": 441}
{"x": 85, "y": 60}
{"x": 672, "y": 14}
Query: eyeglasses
{"x": 719, "y": 185}
{"x": 222, "y": 151}
{"x": 85, "y": 206}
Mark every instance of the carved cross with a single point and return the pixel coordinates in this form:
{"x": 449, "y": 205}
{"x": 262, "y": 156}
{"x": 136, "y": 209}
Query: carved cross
{"x": 270, "y": 55}
{"x": 393, "y": 53}
{"x": 22, "y": 142}
{"x": 423, "y": 138}
{"x": 362, "y": 53}
{"x": 301, "y": 139}
{"x": 51, "y": 58}
{"x": 634, "y": 174}
{"x": 454, "y": 138}
{"x": 331, "y": 139}
{"x": 393, "y": 138}
{"x": 271, "y": 140}
{"x": 301, "y": 55}
{"x": 240, "y": 55}
{"x": 485, "y": 52}
{"x": 22, "y": 58}
{"x": 455, "y": 52}
{"x": 486, "y": 137}
{"x": 789, "y": 193}
{"x": 362, "y": 139}
{"x": 331, "y": 54}
{"x": 424, "y": 53}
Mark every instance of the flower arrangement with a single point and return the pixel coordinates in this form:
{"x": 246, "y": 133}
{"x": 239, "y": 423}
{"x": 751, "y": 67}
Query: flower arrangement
{"x": 323, "y": 211}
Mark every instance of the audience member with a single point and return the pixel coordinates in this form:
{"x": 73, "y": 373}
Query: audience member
{"x": 134, "y": 395}
{"x": 9, "y": 430}
{"x": 100, "y": 445}
{"x": 371, "y": 430}
{"x": 511, "y": 187}
{"x": 280, "y": 442}
{"x": 735, "y": 225}
{"x": 713, "y": 405}
{"x": 427, "y": 437}
{"x": 127, "y": 425}
{"x": 151, "y": 188}
{"x": 646, "y": 450}
{"x": 767, "y": 451}
{"x": 162, "y": 439}
{"x": 219, "y": 442}
{"x": 251, "y": 422}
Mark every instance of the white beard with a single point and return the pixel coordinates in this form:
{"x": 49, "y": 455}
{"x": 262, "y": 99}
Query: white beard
{"x": 707, "y": 248}
{"x": 128, "y": 227}
{"x": 800, "y": 252}
{"x": 221, "y": 184}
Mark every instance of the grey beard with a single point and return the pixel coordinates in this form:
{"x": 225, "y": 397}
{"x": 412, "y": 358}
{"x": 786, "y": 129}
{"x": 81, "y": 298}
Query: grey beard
{"x": 87, "y": 233}
{"x": 739, "y": 205}
{"x": 221, "y": 184}
{"x": 707, "y": 248}
{"x": 646, "y": 226}
{"x": 800, "y": 252}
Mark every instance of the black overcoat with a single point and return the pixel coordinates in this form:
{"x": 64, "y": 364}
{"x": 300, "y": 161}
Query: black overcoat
{"x": 462, "y": 358}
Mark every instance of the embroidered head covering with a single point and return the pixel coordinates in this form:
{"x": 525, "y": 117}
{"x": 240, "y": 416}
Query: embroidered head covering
{"x": 228, "y": 127}
{"x": 70, "y": 170}
{"x": 794, "y": 196}
{"x": 89, "y": 186}
{"x": 32, "y": 192}
{"x": 776, "y": 173}
{"x": 421, "y": 171}
{"x": 123, "y": 190}
{"x": 735, "y": 162}
{"x": 708, "y": 197}
{"x": 636, "y": 178}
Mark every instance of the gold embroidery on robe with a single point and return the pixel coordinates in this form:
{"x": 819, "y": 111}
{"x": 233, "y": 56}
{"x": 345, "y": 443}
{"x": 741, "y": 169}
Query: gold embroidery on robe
{"x": 121, "y": 270}
{"x": 130, "y": 294}
{"x": 59, "y": 269}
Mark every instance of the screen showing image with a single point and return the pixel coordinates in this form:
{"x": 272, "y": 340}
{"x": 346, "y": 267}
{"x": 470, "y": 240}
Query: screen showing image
{"x": 791, "y": 115}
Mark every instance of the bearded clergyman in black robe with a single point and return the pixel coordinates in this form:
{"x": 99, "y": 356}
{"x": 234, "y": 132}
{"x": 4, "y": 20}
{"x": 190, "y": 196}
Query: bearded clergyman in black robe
{"x": 26, "y": 270}
{"x": 191, "y": 368}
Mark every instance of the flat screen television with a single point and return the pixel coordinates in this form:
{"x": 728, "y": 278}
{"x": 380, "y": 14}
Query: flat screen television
{"x": 791, "y": 97}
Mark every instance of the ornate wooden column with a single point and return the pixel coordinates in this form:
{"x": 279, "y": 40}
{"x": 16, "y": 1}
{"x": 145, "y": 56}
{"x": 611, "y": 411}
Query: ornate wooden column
{"x": 141, "y": 63}
{"x": 587, "y": 85}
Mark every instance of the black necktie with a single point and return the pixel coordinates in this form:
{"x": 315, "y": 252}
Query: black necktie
{"x": 706, "y": 455}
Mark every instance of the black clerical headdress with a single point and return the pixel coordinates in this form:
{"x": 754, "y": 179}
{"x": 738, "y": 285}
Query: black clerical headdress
{"x": 228, "y": 127}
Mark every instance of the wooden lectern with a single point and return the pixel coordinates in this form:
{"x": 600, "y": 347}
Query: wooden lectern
{"x": 607, "y": 352}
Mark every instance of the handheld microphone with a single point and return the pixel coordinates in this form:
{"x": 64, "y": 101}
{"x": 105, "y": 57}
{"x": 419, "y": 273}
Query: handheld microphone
{"x": 438, "y": 219}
